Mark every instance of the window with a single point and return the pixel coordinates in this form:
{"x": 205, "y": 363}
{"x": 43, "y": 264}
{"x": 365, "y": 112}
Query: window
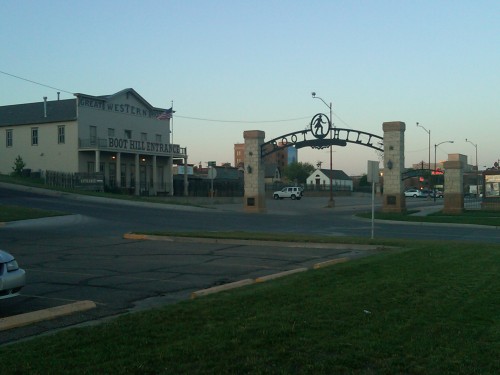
{"x": 8, "y": 137}
{"x": 128, "y": 134}
{"x": 158, "y": 138}
{"x": 111, "y": 132}
{"x": 34, "y": 136}
{"x": 144, "y": 137}
{"x": 60, "y": 134}
{"x": 93, "y": 135}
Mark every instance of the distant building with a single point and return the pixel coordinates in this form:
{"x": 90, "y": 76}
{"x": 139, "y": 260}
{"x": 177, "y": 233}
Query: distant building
{"x": 320, "y": 180}
{"x": 119, "y": 136}
{"x": 280, "y": 158}
{"x": 239, "y": 155}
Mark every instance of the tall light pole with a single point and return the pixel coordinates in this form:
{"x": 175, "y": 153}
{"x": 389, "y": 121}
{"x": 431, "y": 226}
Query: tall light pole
{"x": 429, "y": 133}
{"x": 331, "y": 202}
{"x": 477, "y": 165}
{"x": 433, "y": 184}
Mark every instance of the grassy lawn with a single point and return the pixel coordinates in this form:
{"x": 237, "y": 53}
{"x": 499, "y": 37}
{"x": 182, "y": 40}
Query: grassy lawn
{"x": 14, "y": 213}
{"x": 430, "y": 309}
{"x": 478, "y": 217}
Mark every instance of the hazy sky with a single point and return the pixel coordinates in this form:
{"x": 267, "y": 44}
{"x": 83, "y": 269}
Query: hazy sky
{"x": 230, "y": 66}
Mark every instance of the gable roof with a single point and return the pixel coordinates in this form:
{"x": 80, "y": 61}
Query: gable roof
{"x": 58, "y": 110}
{"x": 335, "y": 173}
{"x": 127, "y": 92}
{"x": 33, "y": 113}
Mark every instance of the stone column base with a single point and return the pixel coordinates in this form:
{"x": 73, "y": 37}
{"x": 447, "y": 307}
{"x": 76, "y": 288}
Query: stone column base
{"x": 453, "y": 203}
{"x": 394, "y": 203}
{"x": 255, "y": 204}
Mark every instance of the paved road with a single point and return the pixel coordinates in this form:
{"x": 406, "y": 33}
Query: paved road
{"x": 83, "y": 256}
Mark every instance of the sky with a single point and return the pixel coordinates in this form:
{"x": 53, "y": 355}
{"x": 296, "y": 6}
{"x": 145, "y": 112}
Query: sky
{"x": 232, "y": 65}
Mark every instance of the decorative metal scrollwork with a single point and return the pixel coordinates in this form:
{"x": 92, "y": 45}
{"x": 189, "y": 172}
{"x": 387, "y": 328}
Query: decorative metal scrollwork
{"x": 316, "y": 136}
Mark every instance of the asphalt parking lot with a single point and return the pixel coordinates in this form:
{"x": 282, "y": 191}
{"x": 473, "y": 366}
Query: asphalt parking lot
{"x": 123, "y": 275}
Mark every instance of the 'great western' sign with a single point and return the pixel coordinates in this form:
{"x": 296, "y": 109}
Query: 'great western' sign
{"x": 118, "y": 108}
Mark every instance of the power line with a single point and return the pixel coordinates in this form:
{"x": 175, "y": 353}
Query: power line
{"x": 36, "y": 83}
{"x": 241, "y": 121}
{"x": 177, "y": 116}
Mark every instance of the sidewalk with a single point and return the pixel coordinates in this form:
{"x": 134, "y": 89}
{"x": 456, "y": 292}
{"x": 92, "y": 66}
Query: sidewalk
{"x": 424, "y": 211}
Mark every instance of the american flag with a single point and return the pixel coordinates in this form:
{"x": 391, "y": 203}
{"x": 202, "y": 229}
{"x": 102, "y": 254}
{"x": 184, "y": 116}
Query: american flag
{"x": 165, "y": 115}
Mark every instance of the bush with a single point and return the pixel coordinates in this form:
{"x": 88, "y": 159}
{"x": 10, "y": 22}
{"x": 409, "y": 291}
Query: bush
{"x": 18, "y": 167}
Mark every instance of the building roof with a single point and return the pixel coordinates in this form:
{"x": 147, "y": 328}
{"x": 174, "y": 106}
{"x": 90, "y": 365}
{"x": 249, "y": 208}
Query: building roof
{"x": 336, "y": 174}
{"x": 34, "y": 113}
{"x": 59, "y": 110}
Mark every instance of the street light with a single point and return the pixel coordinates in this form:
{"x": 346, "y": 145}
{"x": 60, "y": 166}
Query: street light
{"x": 331, "y": 202}
{"x": 433, "y": 180}
{"x": 477, "y": 165}
{"x": 429, "y": 133}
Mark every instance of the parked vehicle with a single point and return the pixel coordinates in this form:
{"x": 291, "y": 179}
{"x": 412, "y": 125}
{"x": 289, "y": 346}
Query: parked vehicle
{"x": 437, "y": 194}
{"x": 292, "y": 192}
{"x": 415, "y": 193}
{"x": 12, "y": 278}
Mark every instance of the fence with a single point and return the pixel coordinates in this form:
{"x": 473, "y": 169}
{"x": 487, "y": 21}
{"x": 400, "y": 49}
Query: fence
{"x": 202, "y": 188}
{"x": 79, "y": 181}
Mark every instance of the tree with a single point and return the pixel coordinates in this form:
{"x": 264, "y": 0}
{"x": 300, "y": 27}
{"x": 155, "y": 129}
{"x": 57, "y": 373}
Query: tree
{"x": 298, "y": 172}
{"x": 363, "y": 181}
{"x": 18, "y": 167}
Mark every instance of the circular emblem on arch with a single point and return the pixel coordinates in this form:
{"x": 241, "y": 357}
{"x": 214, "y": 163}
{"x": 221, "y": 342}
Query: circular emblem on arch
{"x": 320, "y": 125}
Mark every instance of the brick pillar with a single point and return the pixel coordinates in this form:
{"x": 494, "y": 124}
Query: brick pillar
{"x": 255, "y": 197}
{"x": 454, "y": 187}
{"x": 394, "y": 163}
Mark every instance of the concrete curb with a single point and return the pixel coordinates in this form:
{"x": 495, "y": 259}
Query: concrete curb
{"x": 221, "y": 288}
{"x": 278, "y": 275}
{"x": 330, "y": 263}
{"x": 21, "y": 320}
{"x": 245, "y": 282}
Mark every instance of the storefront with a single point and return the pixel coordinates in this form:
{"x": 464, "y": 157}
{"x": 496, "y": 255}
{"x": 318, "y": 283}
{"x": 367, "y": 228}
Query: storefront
{"x": 120, "y": 136}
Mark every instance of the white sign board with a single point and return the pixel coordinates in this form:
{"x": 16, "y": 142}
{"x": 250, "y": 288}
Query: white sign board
{"x": 373, "y": 171}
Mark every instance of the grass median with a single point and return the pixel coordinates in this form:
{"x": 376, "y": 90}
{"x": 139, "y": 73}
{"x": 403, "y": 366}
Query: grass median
{"x": 15, "y": 213}
{"x": 429, "y": 309}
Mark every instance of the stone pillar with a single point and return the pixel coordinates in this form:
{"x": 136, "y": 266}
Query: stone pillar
{"x": 394, "y": 163}
{"x": 454, "y": 187}
{"x": 255, "y": 197}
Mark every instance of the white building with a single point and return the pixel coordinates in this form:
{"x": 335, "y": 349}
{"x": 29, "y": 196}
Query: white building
{"x": 320, "y": 180}
{"x": 121, "y": 136}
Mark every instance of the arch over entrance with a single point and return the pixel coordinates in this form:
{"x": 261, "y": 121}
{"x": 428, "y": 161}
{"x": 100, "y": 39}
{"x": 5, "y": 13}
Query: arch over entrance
{"x": 337, "y": 137}
{"x": 321, "y": 134}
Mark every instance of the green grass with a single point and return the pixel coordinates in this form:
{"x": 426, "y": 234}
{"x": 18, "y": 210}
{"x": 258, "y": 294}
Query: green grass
{"x": 32, "y": 182}
{"x": 432, "y": 309}
{"x": 478, "y": 217}
{"x": 14, "y": 213}
{"x": 278, "y": 237}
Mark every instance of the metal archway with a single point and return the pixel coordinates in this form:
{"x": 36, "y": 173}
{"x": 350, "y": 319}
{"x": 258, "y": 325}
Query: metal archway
{"x": 315, "y": 136}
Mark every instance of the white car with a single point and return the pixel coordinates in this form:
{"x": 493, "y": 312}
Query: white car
{"x": 292, "y": 192}
{"x": 415, "y": 193}
{"x": 12, "y": 278}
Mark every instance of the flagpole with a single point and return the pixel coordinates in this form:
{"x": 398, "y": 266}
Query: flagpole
{"x": 172, "y": 118}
